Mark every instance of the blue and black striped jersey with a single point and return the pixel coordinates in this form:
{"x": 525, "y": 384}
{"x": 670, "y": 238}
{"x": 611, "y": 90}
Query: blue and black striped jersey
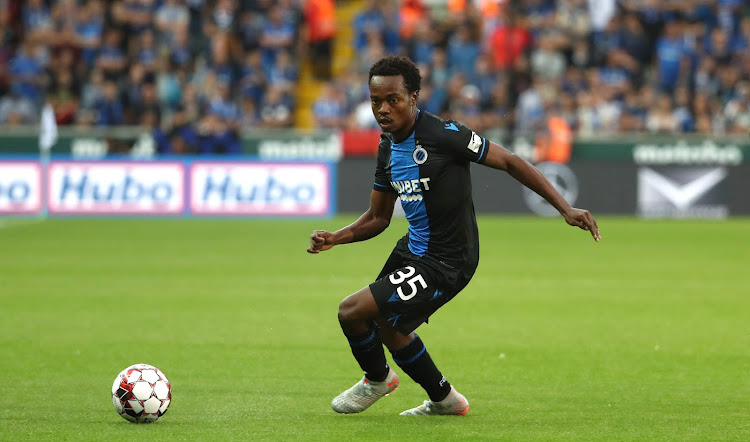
{"x": 430, "y": 172}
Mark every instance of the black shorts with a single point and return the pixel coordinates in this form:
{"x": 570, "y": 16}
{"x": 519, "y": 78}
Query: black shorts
{"x": 410, "y": 288}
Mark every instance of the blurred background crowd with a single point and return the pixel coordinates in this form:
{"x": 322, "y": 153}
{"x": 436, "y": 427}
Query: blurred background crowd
{"x": 199, "y": 72}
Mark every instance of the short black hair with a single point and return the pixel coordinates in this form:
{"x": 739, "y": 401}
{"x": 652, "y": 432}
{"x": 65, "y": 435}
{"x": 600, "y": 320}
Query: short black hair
{"x": 394, "y": 65}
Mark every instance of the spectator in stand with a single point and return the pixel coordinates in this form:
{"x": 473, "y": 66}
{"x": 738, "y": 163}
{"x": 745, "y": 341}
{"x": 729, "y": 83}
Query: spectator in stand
{"x": 37, "y": 21}
{"x": 589, "y": 121}
{"x": 329, "y": 108}
{"x": 369, "y": 21}
{"x": 547, "y": 60}
{"x": 88, "y": 30}
{"x": 283, "y": 73}
{"x": 137, "y": 15}
{"x": 661, "y": 117}
{"x": 671, "y": 57}
{"x": 530, "y": 108}
{"x": 15, "y": 109}
{"x": 741, "y": 41}
{"x": 737, "y": 111}
{"x": 215, "y": 138}
{"x": 132, "y": 93}
{"x": 320, "y": 30}
{"x": 225, "y": 15}
{"x": 109, "y": 110}
{"x": 171, "y": 18}
{"x": 250, "y": 118}
{"x": 253, "y": 80}
{"x": 276, "y": 110}
{"x": 278, "y": 35}
{"x": 572, "y": 19}
{"x": 682, "y": 113}
{"x": 462, "y": 52}
{"x": 27, "y": 73}
{"x": 63, "y": 96}
{"x": 634, "y": 40}
{"x": 251, "y": 29}
{"x": 180, "y": 53}
{"x": 144, "y": 50}
{"x": 509, "y": 40}
{"x": 182, "y": 137}
{"x": 373, "y": 51}
{"x": 112, "y": 60}
{"x": 411, "y": 14}
{"x": 148, "y": 102}
{"x": 422, "y": 43}
{"x": 483, "y": 77}
{"x": 633, "y": 115}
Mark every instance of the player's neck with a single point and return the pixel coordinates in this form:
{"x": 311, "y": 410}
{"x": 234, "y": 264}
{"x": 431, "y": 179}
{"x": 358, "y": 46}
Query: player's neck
{"x": 402, "y": 135}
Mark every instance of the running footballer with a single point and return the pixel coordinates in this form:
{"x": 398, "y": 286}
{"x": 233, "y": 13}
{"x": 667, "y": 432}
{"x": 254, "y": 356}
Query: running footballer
{"x": 423, "y": 161}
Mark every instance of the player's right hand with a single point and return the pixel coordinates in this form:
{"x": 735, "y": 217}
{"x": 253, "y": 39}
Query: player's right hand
{"x": 320, "y": 241}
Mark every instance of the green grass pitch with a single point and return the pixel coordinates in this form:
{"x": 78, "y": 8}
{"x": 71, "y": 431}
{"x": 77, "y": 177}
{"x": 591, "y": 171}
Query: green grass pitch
{"x": 644, "y": 336}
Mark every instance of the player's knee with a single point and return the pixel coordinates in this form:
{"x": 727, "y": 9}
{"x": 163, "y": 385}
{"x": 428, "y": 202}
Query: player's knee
{"x": 347, "y": 311}
{"x": 352, "y": 310}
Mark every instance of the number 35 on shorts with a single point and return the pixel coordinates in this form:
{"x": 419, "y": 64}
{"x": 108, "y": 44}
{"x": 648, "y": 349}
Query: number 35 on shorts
{"x": 407, "y": 274}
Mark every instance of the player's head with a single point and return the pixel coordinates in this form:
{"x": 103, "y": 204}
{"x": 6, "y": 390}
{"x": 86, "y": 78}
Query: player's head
{"x": 394, "y": 90}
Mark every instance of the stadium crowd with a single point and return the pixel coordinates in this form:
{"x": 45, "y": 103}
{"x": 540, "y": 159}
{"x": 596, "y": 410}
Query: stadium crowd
{"x": 200, "y": 71}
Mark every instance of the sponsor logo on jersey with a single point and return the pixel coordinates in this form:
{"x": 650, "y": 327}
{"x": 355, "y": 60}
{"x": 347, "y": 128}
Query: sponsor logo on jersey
{"x": 451, "y": 126}
{"x": 474, "y": 143}
{"x": 411, "y": 190}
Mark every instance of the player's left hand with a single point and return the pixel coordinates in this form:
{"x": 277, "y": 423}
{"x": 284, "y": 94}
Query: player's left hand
{"x": 583, "y": 219}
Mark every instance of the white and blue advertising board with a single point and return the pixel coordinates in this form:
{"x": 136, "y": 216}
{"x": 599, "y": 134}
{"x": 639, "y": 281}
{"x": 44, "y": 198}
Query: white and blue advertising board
{"x": 188, "y": 187}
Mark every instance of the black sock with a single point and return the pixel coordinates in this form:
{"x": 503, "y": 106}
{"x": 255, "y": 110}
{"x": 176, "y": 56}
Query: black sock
{"x": 367, "y": 349}
{"x": 417, "y": 363}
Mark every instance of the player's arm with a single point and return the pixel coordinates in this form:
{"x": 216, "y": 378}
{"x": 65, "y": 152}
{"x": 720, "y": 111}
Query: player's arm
{"x": 528, "y": 175}
{"x": 372, "y": 223}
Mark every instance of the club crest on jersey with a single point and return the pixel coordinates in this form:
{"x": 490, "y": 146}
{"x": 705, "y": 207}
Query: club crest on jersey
{"x": 419, "y": 155}
{"x": 475, "y": 143}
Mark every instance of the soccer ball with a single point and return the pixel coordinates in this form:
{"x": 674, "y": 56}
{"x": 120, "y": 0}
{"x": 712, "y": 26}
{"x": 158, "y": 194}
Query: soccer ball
{"x": 141, "y": 393}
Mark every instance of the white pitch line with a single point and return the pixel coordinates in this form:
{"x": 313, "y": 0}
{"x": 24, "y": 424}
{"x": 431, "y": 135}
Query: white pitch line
{"x": 9, "y": 223}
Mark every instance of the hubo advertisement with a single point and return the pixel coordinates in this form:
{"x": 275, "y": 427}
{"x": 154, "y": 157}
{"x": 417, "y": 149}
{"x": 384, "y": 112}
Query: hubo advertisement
{"x": 271, "y": 189}
{"x": 112, "y": 188}
{"x": 20, "y": 187}
{"x": 683, "y": 192}
{"x": 166, "y": 188}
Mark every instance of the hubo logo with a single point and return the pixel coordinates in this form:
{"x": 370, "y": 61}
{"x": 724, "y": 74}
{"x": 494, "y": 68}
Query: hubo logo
{"x": 707, "y": 152}
{"x": 694, "y": 192}
{"x": 20, "y": 187}
{"x": 116, "y": 188}
{"x": 564, "y": 181}
{"x": 260, "y": 189}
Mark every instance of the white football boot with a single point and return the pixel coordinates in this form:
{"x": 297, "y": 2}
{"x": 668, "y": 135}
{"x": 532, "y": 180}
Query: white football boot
{"x": 454, "y": 404}
{"x": 364, "y": 393}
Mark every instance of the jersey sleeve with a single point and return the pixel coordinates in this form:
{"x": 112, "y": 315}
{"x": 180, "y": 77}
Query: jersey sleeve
{"x": 464, "y": 143}
{"x": 381, "y": 182}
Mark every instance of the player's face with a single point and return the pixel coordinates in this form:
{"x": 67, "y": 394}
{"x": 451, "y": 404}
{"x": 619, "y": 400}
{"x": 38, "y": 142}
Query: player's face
{"x": 394, "y": 108}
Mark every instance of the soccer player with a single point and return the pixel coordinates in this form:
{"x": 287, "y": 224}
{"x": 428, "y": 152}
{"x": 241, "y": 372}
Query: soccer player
{"x": 423, "y": 161}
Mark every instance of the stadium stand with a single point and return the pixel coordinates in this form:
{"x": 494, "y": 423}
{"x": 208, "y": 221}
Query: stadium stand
{"x": 200, "y": 71}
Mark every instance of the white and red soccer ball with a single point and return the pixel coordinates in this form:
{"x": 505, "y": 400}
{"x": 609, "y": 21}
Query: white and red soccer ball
{"x": 141, "y": 393}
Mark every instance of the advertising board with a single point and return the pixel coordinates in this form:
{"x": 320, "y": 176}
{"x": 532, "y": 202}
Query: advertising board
{"x": 260, "y": 189}
{"x": 20, "y": 187}
{"x": 116, "y": 188}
